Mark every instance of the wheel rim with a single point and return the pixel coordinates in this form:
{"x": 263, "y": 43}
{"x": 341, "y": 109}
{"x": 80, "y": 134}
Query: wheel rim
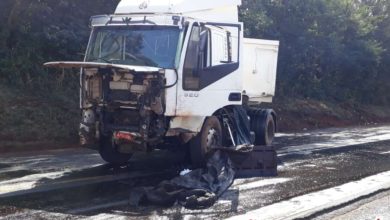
{"x": 270, "y": 131}
{"x": 212, "y": 139}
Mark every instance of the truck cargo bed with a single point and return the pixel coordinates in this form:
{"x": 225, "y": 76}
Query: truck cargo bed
{"x": 260, "y": 67}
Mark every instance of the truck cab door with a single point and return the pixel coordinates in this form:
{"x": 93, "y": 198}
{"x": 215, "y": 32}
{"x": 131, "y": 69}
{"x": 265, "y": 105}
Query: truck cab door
{"x": 209, "y": 71}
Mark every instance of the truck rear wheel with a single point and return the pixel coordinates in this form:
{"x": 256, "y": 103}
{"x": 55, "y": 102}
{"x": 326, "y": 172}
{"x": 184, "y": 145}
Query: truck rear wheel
{"x": 264, "y": 126}
{"x": 201, "y": 145}
{"x": 109, "y": 153}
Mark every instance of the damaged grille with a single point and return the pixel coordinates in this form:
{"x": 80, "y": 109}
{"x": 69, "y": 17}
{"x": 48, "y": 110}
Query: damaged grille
{"x": 94, "y": 89}
{"x": 124, "y": 117}
{"x": 126, "y": 101}
{"x": 123, "y": 88}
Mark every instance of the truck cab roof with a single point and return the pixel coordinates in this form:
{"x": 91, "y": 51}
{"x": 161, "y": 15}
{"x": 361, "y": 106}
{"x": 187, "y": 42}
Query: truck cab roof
{"x": 215, "y": 10}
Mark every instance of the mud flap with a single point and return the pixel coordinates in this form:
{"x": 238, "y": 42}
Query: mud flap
{"x": 262, "y": 161}
{"x": 249, "y": 160}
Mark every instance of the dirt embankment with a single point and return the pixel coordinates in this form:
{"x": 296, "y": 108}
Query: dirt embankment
{"x": 31, "y": 123}
{"x": 297, "y": 115}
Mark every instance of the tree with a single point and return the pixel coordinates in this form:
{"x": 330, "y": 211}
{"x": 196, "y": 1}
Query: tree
{"x": 38, "y": 31}
{"x": 327, "y": 47}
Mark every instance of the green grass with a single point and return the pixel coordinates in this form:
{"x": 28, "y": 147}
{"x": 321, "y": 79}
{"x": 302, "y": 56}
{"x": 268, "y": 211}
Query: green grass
{"x": 28, "y": 115}
{"x": 47, "y": 117}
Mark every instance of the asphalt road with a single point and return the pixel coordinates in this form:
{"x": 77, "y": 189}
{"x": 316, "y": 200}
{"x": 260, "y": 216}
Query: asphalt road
{"x": 320, "y": 172}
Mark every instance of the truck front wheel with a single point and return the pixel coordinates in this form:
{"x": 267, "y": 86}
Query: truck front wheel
{"x": 109, "y": 153}
{"x": 201, "y": 146}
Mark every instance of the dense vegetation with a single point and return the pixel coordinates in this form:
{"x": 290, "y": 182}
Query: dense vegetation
{"x": 333, "y": 50}
{"x": 36, "y": 104}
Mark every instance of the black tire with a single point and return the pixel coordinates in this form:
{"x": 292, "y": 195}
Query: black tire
{"x": 200, "y": 146}
{"x": 109, "y": 153}
{"x": 264, "y": 126}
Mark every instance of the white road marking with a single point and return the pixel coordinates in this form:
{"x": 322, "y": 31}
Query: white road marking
{"x": 309, "y": 204}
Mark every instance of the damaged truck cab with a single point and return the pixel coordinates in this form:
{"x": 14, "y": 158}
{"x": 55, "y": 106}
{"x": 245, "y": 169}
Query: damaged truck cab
{"x": 156, "y": 72}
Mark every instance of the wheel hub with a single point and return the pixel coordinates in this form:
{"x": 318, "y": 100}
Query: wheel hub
{"x": 271, "y": 131}
{"x": 212, "y": 138}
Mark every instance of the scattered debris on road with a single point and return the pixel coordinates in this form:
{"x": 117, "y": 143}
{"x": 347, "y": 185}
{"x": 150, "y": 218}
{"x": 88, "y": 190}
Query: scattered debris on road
{"x": 197, "y": 189}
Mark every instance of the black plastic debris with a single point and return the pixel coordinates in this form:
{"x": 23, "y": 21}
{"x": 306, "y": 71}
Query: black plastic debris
{"x": 202, "y": 187}
{"x": 196, "y": 190}
{"x": 242, "y": 126}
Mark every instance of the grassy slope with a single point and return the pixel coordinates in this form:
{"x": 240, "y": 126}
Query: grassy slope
{"x": 37, "y": 120}
{"x": 298, "y": 114}
{"x": 32, "y": 119}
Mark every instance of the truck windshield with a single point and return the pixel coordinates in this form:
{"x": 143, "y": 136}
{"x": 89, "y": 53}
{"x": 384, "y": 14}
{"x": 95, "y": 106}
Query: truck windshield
{"x": 139, "y": 46}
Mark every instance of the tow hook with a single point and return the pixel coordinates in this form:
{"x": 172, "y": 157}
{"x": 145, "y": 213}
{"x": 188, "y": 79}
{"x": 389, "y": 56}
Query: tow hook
{"x": 121, "y": 136}
{"x": 128, "y": 142}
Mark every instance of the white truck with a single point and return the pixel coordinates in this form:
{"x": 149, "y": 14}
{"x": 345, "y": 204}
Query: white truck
{"x": 172, "y": 71}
